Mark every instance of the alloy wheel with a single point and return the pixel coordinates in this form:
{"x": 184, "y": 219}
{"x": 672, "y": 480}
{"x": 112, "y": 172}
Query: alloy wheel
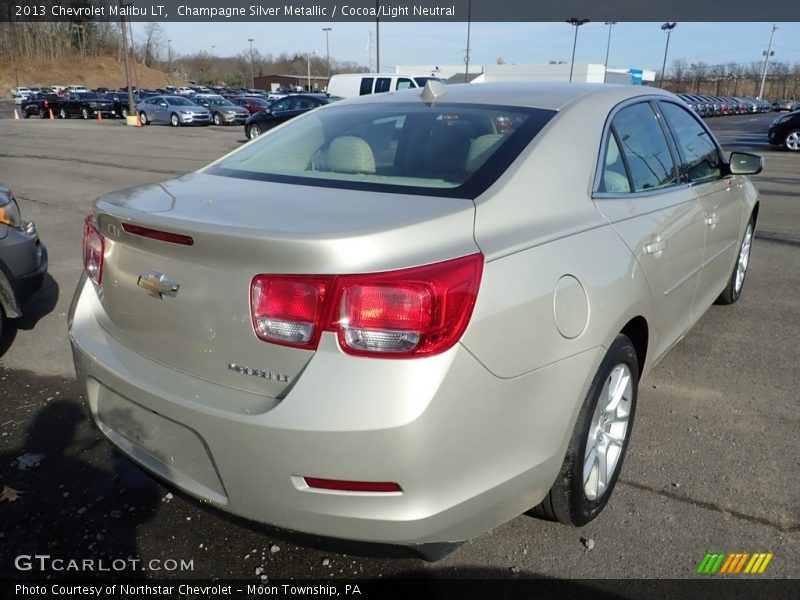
{"x": 793, "y": 140}
{"x": 607, "y": 432}
{"x": 744, "y": 259}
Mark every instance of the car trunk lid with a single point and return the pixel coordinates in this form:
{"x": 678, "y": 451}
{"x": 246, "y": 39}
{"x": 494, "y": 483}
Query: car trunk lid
{"x": 185, "y": 301}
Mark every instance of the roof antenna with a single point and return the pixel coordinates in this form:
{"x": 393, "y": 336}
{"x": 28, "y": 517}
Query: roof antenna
{"x": 433, "y": 92}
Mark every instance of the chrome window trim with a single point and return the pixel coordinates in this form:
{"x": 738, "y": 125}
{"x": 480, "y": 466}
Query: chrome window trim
{"x": 723, "y": 160}
{"x": 598, "y": 170}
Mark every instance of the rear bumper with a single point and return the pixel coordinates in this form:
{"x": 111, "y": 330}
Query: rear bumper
{"x": 469, "y": 450}
{"x": 109, "y": 111}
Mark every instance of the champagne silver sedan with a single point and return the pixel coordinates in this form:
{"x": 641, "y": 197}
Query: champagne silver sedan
{"x": 408, "y": 318}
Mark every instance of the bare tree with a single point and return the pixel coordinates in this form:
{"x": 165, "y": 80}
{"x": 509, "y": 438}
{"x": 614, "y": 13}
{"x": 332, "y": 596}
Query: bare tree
{"x": 679, "y": 70}
{"x": 152, "y": 44}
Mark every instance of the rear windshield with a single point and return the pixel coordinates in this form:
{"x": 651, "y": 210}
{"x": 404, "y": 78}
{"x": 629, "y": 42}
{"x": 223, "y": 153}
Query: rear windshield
{"x": 454, "y": 150}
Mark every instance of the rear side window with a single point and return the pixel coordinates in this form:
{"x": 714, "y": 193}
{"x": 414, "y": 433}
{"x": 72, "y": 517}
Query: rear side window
{"x": 615, "y": 176}
{"x": 698, "y": 152}
{"x": 383, "y": 84}
{"x": 644, "y": 147}
{"x": 366, "y": 86}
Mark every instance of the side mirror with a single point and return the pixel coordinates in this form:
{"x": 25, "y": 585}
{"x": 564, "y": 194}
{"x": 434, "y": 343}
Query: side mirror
{"x": 744, "y": 163}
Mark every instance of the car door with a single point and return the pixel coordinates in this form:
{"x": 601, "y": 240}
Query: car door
{"x": 720, "y": 196}
{"x": 638, "y": 191}
{"x": 151, "y": 108}
{"x": 282, "y": 110}
{"x": 161, "y": 110}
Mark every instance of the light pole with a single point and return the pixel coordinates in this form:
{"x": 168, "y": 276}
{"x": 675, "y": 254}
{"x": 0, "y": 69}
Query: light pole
{"x": 308, "y": 59}
{"x": 252, "y": 73}
{"x": 327, "y": 30}
{"x": 668, "y": 27}
{"x": 466, "y": 52}
{"x": 767, "y": 54}
{"x": 608, "y": 47}
{"x": 575, "y": 23}
{"x": 131, "y": 107}
{"x": 169, "y": 55}
{"x": 377, "y": 36}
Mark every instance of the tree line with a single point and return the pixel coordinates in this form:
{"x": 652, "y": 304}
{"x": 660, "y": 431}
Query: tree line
{"x": 733, "y": 79}
{"x": 64, "y": 40}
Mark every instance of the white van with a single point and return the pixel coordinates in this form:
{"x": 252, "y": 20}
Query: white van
{"x": 350, "y": 85}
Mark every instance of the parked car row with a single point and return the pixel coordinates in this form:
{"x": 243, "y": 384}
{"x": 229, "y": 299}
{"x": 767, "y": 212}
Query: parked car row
{"x": 717, "y": 106}
{"x": 75, "y": 104}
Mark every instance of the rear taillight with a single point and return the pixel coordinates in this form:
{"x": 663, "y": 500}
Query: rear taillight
{"x": 397, "y": 314}
{"x": 288, "y": 310}
{"x": 93, "y": 249}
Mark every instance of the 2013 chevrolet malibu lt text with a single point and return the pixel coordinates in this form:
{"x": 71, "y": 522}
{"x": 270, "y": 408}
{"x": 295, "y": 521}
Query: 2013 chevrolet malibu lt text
{"x": 410, "y": 317}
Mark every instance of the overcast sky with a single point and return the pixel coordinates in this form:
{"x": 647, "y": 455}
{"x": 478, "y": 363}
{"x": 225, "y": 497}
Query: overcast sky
{"x": 639, "y": 45}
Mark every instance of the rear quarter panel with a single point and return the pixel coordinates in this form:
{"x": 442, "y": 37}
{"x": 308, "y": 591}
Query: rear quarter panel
{"x": 536, "y": 225}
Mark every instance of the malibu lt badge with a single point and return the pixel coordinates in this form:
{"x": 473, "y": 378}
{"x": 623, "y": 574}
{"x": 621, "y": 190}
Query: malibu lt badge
{"x": 157, "y": 284}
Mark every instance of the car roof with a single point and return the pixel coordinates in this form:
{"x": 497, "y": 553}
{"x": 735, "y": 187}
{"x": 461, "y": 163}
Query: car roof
{"x": 546, "y": 95}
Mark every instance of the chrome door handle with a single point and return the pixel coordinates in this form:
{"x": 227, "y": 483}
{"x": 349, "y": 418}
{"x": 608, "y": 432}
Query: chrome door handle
{"x": 655, "y": 247}
{"x": 712, "y": 220}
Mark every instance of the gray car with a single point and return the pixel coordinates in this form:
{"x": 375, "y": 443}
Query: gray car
{"x": 23, "y": 258}
{"x": 407, "y": 318}
{"x": 223, "y": 111}
{"x": 175, "y": 110}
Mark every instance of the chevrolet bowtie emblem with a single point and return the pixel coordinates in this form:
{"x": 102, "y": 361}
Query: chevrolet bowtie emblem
{"x": 157, "y": 284}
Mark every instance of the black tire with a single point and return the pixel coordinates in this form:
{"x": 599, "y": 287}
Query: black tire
{"x": 733, "y": 289}
{"x": 25, "y": 114}
{"x": 174, "y": 120}
{"x": 792, "y": 141}
{"x": 254, "y": 131}
{"x": 85, "y": 113}
{"x": 217, "y": 118}
{"x": 63, "y": 113}
{"x": 567, "y": 501}
{"x": 42, "y": 113}
{"x": 143, "y": 118}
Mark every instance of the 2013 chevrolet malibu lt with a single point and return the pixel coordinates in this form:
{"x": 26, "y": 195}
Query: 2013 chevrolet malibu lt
{"x": 410, "y": 317}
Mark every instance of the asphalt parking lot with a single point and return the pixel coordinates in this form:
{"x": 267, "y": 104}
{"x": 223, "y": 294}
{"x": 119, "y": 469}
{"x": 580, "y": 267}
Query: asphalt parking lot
{"x": 713, "y": 465}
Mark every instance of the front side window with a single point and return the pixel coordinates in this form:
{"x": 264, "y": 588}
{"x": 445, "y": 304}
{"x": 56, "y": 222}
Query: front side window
{"x": 449, "y": 150}
{"x": 403, "y": 83}
{"x": 642, "y": 143}
{"x": 280, "y": 105}
{"x": 303, "y": 104}
{"x": 698, "y": 151}
{"x": 180, "y": 102}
